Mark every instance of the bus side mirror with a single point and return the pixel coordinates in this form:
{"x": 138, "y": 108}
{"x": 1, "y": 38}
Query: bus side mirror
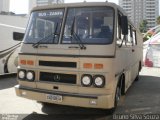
{"x": 18, "y": 36}
{"x": 124, "y": 25}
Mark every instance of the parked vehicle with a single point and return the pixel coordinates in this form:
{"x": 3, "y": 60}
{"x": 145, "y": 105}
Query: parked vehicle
{"x": 79, "y": 54}
{"x": 9, "y": 49}
{"x": 152, "y": 55}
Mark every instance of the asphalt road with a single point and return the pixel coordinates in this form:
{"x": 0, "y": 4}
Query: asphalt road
{"x": 143, "y": 97}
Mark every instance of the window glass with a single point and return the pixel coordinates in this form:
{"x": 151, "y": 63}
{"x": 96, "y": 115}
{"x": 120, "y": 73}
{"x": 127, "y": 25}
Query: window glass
{"x": 134, "y": 38}
{"x": 129, "y": 41}
{"x": 93, "y": 25}
{"x": 44, "y": 25}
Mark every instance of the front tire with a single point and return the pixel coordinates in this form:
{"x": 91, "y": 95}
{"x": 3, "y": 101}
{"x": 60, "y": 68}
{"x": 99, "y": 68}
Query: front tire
{"x": 117, "y": 95}
{"x": 137, "y": 77}
{"x": 139, "y": 69}
{"x": 116, "y": 100}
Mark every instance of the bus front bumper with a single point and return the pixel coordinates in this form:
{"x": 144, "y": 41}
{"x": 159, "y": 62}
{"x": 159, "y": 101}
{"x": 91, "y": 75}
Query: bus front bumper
{"x": 71, "y": 99}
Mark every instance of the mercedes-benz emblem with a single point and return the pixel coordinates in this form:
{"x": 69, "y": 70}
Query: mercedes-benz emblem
{"x": 57, "y": 77}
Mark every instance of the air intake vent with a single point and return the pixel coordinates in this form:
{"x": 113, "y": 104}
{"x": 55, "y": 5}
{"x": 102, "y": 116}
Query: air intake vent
{"x": 58, "y": 77}
{"x": 58, "y": 64}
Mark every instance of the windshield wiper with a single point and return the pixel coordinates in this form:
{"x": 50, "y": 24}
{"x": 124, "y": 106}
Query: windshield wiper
{"x": 35, "y": 45}
{"x": 55, "y": 32}
{"x": 76, "y": 37}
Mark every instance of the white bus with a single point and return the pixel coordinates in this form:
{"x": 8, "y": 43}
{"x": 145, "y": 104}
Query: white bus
{"x": 79, "y": 54}
{"x": 9, "y": 49}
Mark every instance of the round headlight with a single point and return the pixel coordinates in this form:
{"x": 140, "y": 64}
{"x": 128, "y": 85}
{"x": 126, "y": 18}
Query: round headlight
{"x": 21, "y": 74}
{"x": 99, "y": 81}
{"x": 86, "y": 80}
{"x": 30, "y": 75}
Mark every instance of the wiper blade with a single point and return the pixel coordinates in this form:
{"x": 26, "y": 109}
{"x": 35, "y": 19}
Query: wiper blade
{"x": 55, "y": 32}
{"x": 35, "y": 45}
{"x": 76, "y": 37}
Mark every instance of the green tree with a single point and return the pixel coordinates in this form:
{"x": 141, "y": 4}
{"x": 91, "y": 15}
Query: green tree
{"x": 143, "y": 26}
{"x": 158, "y": 20}
{"x": 148, "y": 36}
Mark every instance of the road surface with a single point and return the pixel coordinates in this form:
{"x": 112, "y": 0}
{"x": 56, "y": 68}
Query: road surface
{"x": 143, "y": 97}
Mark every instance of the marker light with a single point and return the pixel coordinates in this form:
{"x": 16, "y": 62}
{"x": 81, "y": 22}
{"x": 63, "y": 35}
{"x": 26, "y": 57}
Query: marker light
{"x": 86, "y": 80}
{"x": 30, "y": 62}
{"x": 87, "y": 65}
{"x": 98, "y": 66}
{"x": 23, "y": 62}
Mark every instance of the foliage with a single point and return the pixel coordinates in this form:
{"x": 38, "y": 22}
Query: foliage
{"x": 148, "y": 36}
{"x": 158, "y": 20}
{"x": 143, "y": 26}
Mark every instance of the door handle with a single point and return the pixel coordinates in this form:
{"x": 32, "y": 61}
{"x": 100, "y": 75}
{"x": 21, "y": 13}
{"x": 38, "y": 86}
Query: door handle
{"x": 73, "y": 47}
{"x": 43, "y": 46}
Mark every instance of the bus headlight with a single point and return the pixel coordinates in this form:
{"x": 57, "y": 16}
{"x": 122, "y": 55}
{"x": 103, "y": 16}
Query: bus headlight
{"x": 86, "y": 80}
{"x": 99, "y": 81}
{"x": 30, "y": 75}
{"x": 22, "y": 74}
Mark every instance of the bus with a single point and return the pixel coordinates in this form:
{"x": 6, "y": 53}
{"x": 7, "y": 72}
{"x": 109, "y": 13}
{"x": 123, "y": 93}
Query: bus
{"x": 9, "y": 60}
{"x": 9, "y": 49}
{"x": 78, "y": 54}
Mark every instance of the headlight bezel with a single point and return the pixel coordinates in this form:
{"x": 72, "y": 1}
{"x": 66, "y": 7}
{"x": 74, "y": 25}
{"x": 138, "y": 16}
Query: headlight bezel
{"x": 90, "y": 78}
{"x": 103, "y": 81}
{"x": 24, "y": 71}
{"x": 33, "y": 73}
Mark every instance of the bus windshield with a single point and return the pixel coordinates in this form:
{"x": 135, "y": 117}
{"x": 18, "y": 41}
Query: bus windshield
{"x": 93, "y": 25}
{"x": 44, "y": 26}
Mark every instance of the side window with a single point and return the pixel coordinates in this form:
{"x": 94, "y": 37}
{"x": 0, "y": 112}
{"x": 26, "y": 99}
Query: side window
{"x": 134, "y": 37}
{"x": 119, "y": 30}
{"x": 120, "y": 37}
{"x": 129, "y": 41}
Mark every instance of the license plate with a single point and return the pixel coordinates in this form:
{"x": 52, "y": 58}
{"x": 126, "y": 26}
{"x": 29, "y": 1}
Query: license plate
{"x": 55, "y": 98}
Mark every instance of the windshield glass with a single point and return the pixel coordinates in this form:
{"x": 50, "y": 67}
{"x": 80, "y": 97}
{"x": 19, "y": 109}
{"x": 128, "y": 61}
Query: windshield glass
{"x": 93, "y": 25}
{"x": 45, "y": 26}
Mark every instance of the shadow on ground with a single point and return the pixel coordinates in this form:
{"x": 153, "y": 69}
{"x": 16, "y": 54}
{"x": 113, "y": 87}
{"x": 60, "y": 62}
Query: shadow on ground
{"x": 58, "y": 112}
{"x": 7, "y": 82}
{"x": 63, "y": 117}
{"x": 142, "y": 97}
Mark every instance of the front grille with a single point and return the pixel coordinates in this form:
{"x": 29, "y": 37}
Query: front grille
{"x": 58, "y": 64}
{"x": 58, "y": 77}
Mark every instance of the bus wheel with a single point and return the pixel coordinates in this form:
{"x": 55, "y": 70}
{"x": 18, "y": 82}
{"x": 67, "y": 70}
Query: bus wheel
{"x": 139, "y": 69}
{"x": 137, "y": 77}
{"x": 117, "y": 95}
{"x": 6, "y": 68}
{"x": 117, "y": 98}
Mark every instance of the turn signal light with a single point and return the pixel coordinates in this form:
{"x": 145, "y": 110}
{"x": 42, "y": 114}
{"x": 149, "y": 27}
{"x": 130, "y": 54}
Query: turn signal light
{"x": 30, "y": 62}
{"x": 87, "y": 65}
{"x": 98, "y": 66}
{"x": 23, "y": 62}
{"x": 26, "y": 62}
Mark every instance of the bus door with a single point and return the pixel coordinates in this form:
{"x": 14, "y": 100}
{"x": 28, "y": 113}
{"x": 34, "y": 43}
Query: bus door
{"x": 135, "y": 58}
{"x": 131, "y": 54}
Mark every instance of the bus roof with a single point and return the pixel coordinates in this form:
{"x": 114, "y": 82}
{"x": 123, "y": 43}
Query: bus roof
{"x": 81, "y": 4}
